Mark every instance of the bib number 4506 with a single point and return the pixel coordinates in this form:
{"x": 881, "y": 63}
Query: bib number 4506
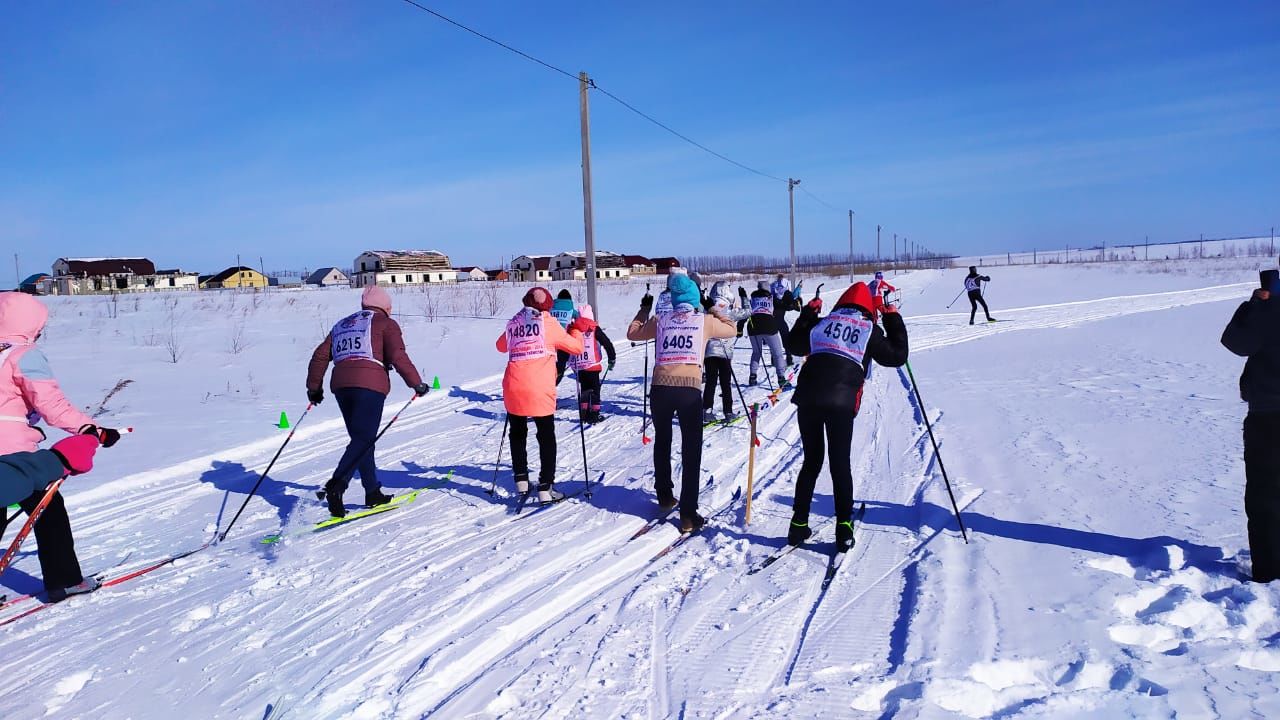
{"x": 847, "y": 334}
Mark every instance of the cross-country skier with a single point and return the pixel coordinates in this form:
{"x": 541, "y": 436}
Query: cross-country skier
{"x": 880, "y": 289}
{"x": 762, "y": 327}
{"x": 680, "y": 336}
{"x": 778, "y": 287}
{"x": 973, "y": 285}
{"x": 588, "y": 364}
{"x": 564, "y": 312}
{"x": 745, "y": 304}
{"x": 1254, "y": 333}
{"x": 24, "y": 474}
{"x": 719, "y": 356}
{"x": 828, "y": 394}
{"x": 363, "y": 347}
{"x": 28, "y": 393}
{"x": 789, "y": 302}
{"x": 531, "y": 340}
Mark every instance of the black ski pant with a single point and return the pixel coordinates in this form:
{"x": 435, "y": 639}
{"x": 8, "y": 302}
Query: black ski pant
{"x": 546, "y": 429}
{"x": 719, "y": 372}
{"x": 55, "y": 546}
{"x": 684, "y": 405}
{"x": 362, "y": 413}
{"x": 1262, "y": 492}
{"x": 562, "y": 362}
{"x": 589, "y": 391}
{"x": 976, "y": 299}
{"x": 820, "y": 427}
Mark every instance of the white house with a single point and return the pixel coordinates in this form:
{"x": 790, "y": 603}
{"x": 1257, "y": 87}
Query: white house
{"x": 573, "y": 266}
{"x": 402, "y": 267}
{"x": 86, "y": 276}
{"x": 531, "y": 268}
{"x": 328, "y": 277}
{"x": 470, "y": 273}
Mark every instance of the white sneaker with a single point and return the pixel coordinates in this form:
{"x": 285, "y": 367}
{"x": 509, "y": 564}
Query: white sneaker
{"x": 548, "y": 496}
{"x": 522, "y": 486}
{"x": 87, "y": 585}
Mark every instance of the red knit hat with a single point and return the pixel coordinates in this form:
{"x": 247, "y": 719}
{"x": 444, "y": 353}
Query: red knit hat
{"x": 858, "y": 295}
{"x": 539, "y": 299}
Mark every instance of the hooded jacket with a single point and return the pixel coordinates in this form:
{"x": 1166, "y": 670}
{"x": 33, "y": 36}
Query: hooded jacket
{"x": 762, "y": 323}
{"x": 388, "y": 352}
{"x": 529, "y": 386}
{"x": 1254, "y": 333}
{"x": 723, "y": 301}
{"x": 830, "y": 381}
{"x": 28, "y": 389}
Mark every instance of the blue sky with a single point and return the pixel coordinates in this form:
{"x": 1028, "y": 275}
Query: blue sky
{"x": 305, "y": 132}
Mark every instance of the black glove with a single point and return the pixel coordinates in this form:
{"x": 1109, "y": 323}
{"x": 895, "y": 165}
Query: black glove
{"x": 107, "y": 436}
{"x": 422, "y": 389}
{"x": 315, "y": 397}
{"x": 706, "y": 303}
{"x": 646, "y": 302}
{"x": 611, "y": 364}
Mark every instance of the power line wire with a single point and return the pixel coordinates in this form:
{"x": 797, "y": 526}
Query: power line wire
{"x": 805, "y": 190}
{"x": 495, "y": 41}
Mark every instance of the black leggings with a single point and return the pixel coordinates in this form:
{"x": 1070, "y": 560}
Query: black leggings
{"x": 54, "y": 545}
{"x": 682, "y": 404}
{"x": 1262, "y": 493}
{"x": 546, "y": 429}
{"x": 719, "y": 372}
{"x": 817, "y": 427}
{"x": 975, "y": 298}
{"x": 589, "y": 389}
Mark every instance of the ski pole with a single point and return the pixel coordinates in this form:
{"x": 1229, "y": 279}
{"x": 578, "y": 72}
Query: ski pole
{"x": 582, "y": 433}
{"x": 928, "y": 425}
{"x": 957, "y": 297}
{"x": 766, "y": 368}
{"x": 644, "y": 424}
{"x": 751, "y": 464}
{"x": 493, "y": 488}
{"x": 31, "y": 522}
{"x": 263, "y": 476}
{"x": 746, "y": 409}
{"x": 369, "y": 446}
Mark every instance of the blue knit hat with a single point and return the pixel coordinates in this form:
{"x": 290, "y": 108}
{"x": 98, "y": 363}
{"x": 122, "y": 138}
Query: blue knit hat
{"x": 683, "y": 291}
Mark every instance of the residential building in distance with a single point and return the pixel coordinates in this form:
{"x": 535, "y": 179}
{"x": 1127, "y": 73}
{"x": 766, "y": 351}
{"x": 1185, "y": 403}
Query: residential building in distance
{"x": 572, "y": 265}
{"x": 328, "y": 277}
{"x": 87, "y": 276}
{"x": 236, "y": 277}
{"x": 471, "y": 273}
{"x": 531, "y": 268}
{"x": 402, "y": 267}
{"x": 498, "y": 275}
{"x": 663, "y": 265}
{"x": 640, "y": 265}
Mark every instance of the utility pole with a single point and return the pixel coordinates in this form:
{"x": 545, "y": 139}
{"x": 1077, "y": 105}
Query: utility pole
{"x": 1146, "y": 247}
{"x": 878, "y": 256}
{"x": 895, "y": 251}
{"x": 791, "y": 201}
{"x": 850, "y": 247}
{"x": 588, "y": 223}
{"x": 1273, "y": 239}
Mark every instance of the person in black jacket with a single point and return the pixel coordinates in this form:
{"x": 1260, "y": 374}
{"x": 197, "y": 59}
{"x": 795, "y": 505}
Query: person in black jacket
{"x": 781, "y": 306}
{"x": 973, "y": 285}
{"x": 762, "y": 328}
{"x": 1254, "y": 333}
{"x": 828, "y": 394}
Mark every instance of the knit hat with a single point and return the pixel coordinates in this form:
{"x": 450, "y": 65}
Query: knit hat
{"x": 539, "y": 299}
{"x": 973, "y": 269}
{"x": 585, "y": 311}
{"x": 762, "y": 285}
{"x": 858, "y": 295}
{"x": 564, "y": 294}
{"x": 879, "y": 275}
{"x": 375, "y": 298}
{"x": 683, "y": 291}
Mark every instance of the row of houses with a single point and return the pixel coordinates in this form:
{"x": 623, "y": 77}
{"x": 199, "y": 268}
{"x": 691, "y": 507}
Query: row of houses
{"x": 87, "y": 276}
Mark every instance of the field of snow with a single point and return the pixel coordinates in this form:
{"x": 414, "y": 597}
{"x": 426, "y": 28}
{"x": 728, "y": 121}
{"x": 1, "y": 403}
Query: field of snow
{"x": 1092, "y": 438}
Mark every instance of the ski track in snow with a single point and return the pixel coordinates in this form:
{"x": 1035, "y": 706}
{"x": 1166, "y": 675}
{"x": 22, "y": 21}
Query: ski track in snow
{"x": 449, "y": 606}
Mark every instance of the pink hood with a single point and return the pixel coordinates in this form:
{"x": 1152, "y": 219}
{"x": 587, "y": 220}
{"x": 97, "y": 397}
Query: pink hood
{"x": 22, "y": 318}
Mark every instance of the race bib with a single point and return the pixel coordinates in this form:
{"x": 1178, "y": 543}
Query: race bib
{"x": 590, "y": 355}
{"x": 680, "y": 338}
{"x": 353, "y": 337}
{"x": 845, "y": 332}
{"x": 761, "y": 306}
{"x": 524, "y": 336}
{"x": 970, "y": 284}
{"x": 564, "y": 317}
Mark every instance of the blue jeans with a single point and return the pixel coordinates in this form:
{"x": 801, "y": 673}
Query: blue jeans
{"x": 362, "y": 412}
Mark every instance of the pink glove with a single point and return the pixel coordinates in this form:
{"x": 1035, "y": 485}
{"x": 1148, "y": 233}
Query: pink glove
{"x": 76, "y": 453}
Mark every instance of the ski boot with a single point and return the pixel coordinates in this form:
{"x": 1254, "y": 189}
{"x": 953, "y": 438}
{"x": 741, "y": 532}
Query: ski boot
{"x": 708, "y": 417}
{"x": 522, "y": 484}
{"x": 751, "y": 380}
{"x": 729, "y": 416}
{"x": 333, "y": 495}
{"x": 844, "y": 536}
{"x": 375, "y": 498}
{"x": 667, "y": 499}
{"x": 87, "y": 585}
{"x": 548, "y": 494}
{"x": 691, "y": 522}
{"x": 798, "y": 533}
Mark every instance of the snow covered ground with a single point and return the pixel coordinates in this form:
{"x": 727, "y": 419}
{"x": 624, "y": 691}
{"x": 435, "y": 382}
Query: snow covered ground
{"x": 1092, "y": 438}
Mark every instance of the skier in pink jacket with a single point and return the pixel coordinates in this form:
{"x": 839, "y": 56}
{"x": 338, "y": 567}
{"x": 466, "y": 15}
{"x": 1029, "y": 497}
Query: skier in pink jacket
{"x": 30, "y": 393}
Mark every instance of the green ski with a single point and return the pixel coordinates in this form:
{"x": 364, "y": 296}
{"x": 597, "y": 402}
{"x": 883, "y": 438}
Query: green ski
{"x": 397, "y": 501}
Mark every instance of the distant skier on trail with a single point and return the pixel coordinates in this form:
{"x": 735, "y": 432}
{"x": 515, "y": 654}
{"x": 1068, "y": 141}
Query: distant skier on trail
{"x": 880, "y": 290}
{"x": 28, "y": 393}
{"x": 789, "y": 302}
{"x": 531, "y": 340}
{"x": 588, "y": 365}
{"x": 719, "y": 355}
{"x": 762, "y": 328}
{"x": 1254, "y": 333}
{"x": 363, "y": 348}
{"x": 973, "y": 285}
{"x": 564, "y": 312}
{"x": 680, "y": 334}
{"x": 828, "y": 395}
{"x": 778, "y": 287}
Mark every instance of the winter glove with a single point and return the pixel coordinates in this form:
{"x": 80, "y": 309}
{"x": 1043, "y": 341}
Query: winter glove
{"x": 889, "y": 309}
{"x": 610, "y": 368}
{"x": 583, "y": 325}
{"x": 815, "y": 305}
{"x": 646, "y": 303}
{"x": 706, "y": 303}
{"x": 107, "y": 436}
{"x": 315, "y": 397}
{"x": 421, "y": 389}
{"x": 76, "y": 452}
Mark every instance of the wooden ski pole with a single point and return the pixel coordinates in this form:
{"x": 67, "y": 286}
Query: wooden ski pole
{"x": 751, "y": 464}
